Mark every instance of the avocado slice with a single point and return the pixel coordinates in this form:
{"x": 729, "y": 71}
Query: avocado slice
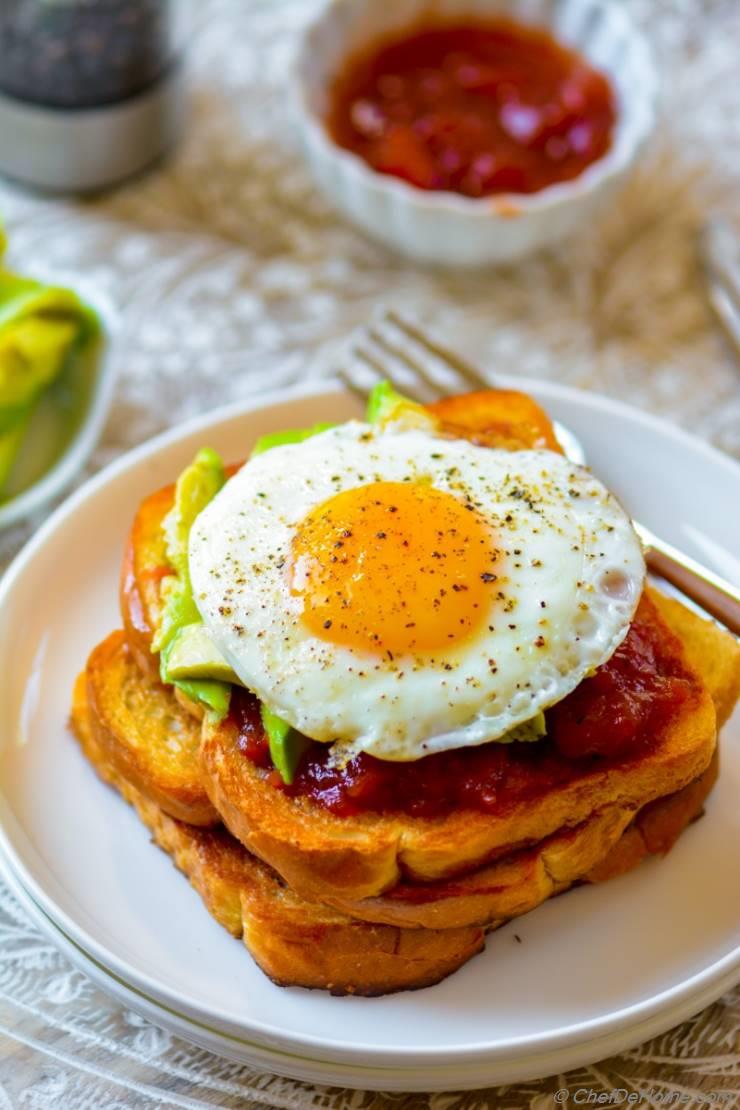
{"x": 385, "y": 404}
{"x": 40, "y": 326}
{"x": 281, "y": 439}
{"x": 196, "y": 487}
{"x": 381, "y": 402}
{"x": 192, "y": 654}
{"x": 526, "y": 732}
{"x": 215, "y": 696}
{"x": 286, "y": 745}
{"x": 33, "y": 352}
{"x": 10, "y": 444}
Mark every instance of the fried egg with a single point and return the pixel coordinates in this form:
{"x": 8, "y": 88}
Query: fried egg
{"x": 401, "y": 593}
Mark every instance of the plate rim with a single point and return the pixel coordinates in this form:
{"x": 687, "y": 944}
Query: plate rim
{"x": 725, "y": 970}
{"x": 358, "y": 1076}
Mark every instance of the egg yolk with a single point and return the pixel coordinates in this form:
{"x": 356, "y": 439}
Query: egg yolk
{"x": 393, "y": 568}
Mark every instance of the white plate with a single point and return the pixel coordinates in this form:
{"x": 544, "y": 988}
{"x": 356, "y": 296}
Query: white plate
{"x": 303, "y": 1067}
{"x": 597, "y": 970}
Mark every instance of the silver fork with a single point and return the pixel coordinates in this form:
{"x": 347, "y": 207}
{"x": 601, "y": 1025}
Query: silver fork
{"x": 720, "y": 255}
{"x": 396, "y": 349}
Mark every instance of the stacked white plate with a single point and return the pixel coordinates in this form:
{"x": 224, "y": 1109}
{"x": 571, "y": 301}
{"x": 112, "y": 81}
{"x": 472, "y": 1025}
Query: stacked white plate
{"x": 591, "y": 973}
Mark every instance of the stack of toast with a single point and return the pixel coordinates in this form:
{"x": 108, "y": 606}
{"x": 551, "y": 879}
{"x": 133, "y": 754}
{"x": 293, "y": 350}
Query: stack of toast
{"x": 386, "y": 901}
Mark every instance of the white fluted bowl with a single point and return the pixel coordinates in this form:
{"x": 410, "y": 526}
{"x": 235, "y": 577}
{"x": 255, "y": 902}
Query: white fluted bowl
{"x": 444, "y": 227}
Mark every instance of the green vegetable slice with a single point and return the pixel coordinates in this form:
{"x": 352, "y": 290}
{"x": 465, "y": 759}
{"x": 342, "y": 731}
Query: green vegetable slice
{"x": 381, "y": 402}
{"x": 196, "y": 487}
{"x": 386, "y": 404}
{"x": 215, "y": 696}
{"x": 10, "y": 443}
{"x": 192, "y": 654}
{"x": 40, "y": 327}
{"x": 526, "y": 732}
{"x": 286, "y": 745}
{"x": 281, "y": 439}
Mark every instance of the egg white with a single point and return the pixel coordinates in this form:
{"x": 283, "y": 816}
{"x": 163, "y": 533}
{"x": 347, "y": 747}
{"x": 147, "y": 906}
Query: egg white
{"x": 572, "y": 578}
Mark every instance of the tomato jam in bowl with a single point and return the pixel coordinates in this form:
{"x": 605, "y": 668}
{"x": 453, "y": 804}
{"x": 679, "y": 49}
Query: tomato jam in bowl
{"x": 467, "y": 136}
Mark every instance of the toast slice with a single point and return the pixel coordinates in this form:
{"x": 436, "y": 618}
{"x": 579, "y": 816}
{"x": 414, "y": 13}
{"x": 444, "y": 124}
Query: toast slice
{"x": 607, "y": 845}
{"x": 363, "y": 856}
{"x": 513, "y": 885}
{"x": 129, "y": 708}
{"x": 294, "y": 942}
{"x": 715, "y": 655}
{"x": 327, "y": 857}
{"x": 377, "y": 853}
{"x": 144, "y": 566}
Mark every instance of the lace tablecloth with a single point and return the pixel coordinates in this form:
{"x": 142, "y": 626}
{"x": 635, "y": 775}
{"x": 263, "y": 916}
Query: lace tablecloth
{"x": 231, "y": 274}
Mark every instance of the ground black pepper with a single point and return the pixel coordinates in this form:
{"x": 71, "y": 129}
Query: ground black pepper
{"x": 83, "y": 53}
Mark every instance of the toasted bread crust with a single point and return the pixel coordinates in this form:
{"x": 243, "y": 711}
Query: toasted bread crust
{"x": 657, "y": 827}
{"x": 306, "y": 944}
{"x": 325, "y": 857}
{"x": 715, "y": 655}
{"x": 152, "y": 742}
{"x": 503, "y": 418}
{"x": 353, "y": 860}
{"x": 712, "y": 652}
{"x": 607, "y": 845}
{"x": 295, "y": 943}
{"x": 144, "y": 566}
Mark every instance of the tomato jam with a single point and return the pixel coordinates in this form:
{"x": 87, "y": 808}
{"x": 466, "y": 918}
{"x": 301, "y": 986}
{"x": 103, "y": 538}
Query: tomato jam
{"x": 477, "y": 109}
{"x": 615, "y": 716}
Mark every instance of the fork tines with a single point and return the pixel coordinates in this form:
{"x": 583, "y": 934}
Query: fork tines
{"x": 721, "y": 257}
{"x": 394, "y": 348}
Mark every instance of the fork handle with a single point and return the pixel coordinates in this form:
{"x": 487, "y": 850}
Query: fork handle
{"x": 716, "y": 596}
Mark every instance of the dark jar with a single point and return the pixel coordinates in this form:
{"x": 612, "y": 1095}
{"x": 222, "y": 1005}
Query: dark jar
{"x": 90, "y": 90}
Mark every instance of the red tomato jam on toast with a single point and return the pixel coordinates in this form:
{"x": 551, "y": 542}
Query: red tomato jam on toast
{"x": 616, "y": 716}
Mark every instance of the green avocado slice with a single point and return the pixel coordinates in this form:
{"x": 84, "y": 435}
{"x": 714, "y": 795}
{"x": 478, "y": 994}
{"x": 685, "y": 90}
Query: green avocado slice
{"x": 193, "y": 655}
{"x": 286, "y": 745}
{"x": 40, "y": 326}
{"x": 281, "y": 439}
{"x": 386, "y": 405}
{"x": 215, "y": 696}
{"x": 196, "y": 487}
{"x": 526, "y": 732}
{"x": 381, "y": 402}
{"x": 10, "y": 443}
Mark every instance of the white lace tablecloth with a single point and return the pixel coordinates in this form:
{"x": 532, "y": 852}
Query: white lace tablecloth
{"x": 231, "y": 275}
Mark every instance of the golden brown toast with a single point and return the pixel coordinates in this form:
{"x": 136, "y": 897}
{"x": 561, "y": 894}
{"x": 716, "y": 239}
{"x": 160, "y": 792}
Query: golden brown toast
{"x": 657, "y": 827}
{"x": 140, "y": 604}
{"x": 607, "y": 845}
{"x": 295, "y": 943}
{"x": 513, "y": 885}
{"x": 351, "y": 859}
{"x": 328, "y": 857}
{"x": 501, "y": 418}
{"x": 485, "y": 893}
{"x": 144, "y": 566}
{"x": 125, "y": 718}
